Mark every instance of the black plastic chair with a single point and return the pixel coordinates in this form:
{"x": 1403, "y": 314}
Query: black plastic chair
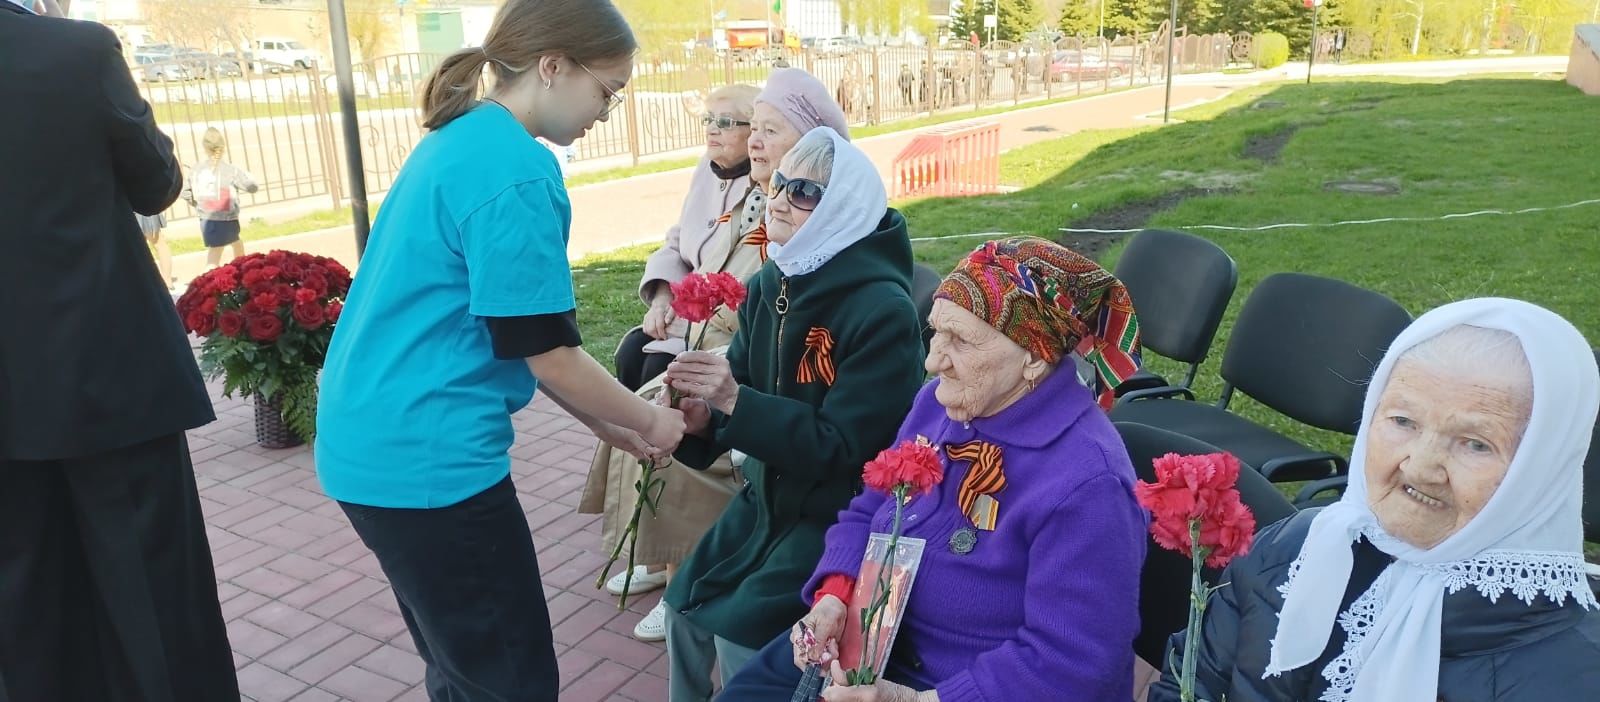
{"x": 924, "y": 282}
{"x": 1304, "y": 346}
{"x": 1164, "y": 581}
{"x": 1181, "y": 285}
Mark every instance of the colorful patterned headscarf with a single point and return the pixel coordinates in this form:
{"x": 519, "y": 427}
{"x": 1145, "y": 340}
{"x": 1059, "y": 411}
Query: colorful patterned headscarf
{"x": 1051, "y": 301}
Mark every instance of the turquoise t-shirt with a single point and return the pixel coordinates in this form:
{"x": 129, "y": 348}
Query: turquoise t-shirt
{"x": 414, "y": 410}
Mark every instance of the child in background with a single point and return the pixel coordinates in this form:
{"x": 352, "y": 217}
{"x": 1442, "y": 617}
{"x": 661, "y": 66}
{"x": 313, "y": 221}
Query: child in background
{"x": 212, "y": 190}
{"x": 151, "y": 226}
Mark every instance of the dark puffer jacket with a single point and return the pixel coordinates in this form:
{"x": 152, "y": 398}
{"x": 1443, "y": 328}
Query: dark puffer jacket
{"x": 1506, "y": 651}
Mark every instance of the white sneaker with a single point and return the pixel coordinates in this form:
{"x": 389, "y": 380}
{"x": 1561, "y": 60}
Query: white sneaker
{"x": 643, "y": 581}
{"x": 654, "y": 625}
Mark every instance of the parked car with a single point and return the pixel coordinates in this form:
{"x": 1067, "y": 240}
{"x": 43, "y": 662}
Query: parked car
{"x": 1074, "y": 65}
{"x": 201, "y": 64}
{"x": 159, "y": 68}
{"x": 275, "y": 54}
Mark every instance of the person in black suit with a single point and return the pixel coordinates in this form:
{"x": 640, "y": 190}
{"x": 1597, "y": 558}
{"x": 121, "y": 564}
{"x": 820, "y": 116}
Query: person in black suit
{"x": 107, "y": 590}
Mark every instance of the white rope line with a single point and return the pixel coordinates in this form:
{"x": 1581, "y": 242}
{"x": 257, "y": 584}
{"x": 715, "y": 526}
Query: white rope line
{"x": 1224, "y": 227}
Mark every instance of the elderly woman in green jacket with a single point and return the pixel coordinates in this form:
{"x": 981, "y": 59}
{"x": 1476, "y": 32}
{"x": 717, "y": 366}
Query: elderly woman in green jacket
{"x": 826, "y": 362}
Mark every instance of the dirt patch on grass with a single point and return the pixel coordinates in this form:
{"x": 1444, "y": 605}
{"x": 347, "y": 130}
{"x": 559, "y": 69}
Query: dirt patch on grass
{"x": 1266, "y": 147}
{"x": 1131, "y": 215}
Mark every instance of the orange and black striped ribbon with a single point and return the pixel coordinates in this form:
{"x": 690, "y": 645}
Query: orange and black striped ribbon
{"x": 985, "y": 478}
{"x": 758, "y": 238}
{"x": 817, "y": 361}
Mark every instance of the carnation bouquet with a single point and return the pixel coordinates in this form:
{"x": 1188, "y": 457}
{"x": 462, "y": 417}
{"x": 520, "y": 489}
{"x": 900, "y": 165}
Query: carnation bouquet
{"x": 696, "y": 299}
{"x": 1196, "y": 511}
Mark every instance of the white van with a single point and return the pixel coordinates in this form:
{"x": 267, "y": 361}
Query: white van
{"x": 276, "y": 54}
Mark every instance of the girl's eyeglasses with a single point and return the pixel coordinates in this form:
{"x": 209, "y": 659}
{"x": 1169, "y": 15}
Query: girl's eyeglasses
{"x": 803, "y": 194}
{"x": 613, "y": 100}
{"x": 722, "y": 122}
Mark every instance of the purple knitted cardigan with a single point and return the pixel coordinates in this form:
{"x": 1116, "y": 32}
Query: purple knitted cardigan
{"x": 1045, "y": 607}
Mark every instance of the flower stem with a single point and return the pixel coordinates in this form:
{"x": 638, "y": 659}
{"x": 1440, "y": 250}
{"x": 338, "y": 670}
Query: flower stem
{"x": 867, "y": 673}
{"x": 1197, "y": 608}
{"x": 630, "y": 535}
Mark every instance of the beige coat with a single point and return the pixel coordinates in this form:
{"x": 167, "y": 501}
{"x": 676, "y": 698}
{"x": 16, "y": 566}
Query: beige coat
{"x": 691, "y": 500}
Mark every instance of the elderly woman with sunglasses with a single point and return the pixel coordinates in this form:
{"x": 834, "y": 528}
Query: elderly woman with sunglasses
{"x": 825, "y": 364}
{"x": 746, "y": 133}
{"x": 1452, "y": 568}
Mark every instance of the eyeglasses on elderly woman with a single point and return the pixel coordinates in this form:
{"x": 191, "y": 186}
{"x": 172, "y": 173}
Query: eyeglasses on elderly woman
{"x": 722, "y": 121}
{"x": 803, "y": 194}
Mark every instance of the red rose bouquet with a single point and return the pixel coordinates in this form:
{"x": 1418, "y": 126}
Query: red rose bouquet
{"x": 696, "y": 299}
{"x": 267, "y": 320}
{"x": 1197, "y": 512}
{"x": 902, "y": 472}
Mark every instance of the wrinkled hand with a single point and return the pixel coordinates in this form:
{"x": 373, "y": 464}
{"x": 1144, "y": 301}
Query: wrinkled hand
{"x": 826, "y": 620}
{"x": 624, "y": 439}
{"x": 664, "y": 432}
{"x": 659, "y": 318}
{"x": 696, "y": 416}
{"x": 706, "y": 376}
{"x": 881, "y": 691}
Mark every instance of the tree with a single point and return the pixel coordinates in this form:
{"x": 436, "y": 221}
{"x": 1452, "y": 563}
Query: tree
{"x": 372, "y": 24}
{"x": 884, "y": 17}
{"x": 219, "y": 25}
{"x": 1079, "y": 18}
{"x": 1128, "y": 16}
{"x": 1017, "y": 18}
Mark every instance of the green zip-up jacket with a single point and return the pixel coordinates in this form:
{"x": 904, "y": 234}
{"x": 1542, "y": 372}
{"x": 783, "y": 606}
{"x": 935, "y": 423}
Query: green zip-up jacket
{"x": 806, "y": 438}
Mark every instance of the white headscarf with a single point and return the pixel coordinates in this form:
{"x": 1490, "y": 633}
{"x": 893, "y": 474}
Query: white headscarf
{"x": 852, "y": 206}
{"x": 1527, "y": 541}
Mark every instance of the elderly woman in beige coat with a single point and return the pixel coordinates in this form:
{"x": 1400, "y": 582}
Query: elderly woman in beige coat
{"x": 792, "y": 103}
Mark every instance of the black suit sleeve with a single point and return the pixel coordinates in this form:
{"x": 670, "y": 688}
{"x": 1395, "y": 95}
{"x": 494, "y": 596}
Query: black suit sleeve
{"x": 146, "y": 167}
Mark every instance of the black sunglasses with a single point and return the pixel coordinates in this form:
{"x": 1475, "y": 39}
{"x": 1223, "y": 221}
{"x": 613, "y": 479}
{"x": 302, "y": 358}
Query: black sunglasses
{"x": 722, "y": 122}
{"x": 803, "y": 194}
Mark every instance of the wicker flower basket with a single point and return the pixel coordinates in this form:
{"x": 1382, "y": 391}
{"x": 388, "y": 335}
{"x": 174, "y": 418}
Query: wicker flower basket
{"x": 271, "y": 431}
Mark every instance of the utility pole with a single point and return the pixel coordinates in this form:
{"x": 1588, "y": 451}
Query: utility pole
{"x": 1311, "y": 57}
{"x": 1172, "y": 30}
{"x": 352, "y": 126}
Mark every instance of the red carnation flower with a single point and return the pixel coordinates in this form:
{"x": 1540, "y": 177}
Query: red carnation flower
{"x": 694, "y": 298}
{"x": 305, "y": 296}
{"x": 265, "y": 328}
{"x": 912, "y": 464}
{"x": 729, "y": 289}
{"x": 308, "y": 315}
{"x": 1200, "y": 489}
{"x": 333, "y": 311}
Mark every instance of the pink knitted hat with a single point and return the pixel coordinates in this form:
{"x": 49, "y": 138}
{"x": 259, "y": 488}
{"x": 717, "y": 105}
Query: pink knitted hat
{"x": 804, "y": 100}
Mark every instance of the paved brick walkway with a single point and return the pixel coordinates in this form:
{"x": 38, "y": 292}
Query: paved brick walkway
{"x": 310, "y": 615}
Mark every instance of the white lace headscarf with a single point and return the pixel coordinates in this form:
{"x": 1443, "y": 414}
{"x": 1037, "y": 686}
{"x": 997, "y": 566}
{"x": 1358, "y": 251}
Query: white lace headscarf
{"x": 1527, "y": 540}
{"x": 852, "y": 205}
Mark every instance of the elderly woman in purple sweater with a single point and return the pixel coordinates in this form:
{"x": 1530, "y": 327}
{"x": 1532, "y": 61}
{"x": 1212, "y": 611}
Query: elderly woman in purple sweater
{"x": 1029, "y": 584}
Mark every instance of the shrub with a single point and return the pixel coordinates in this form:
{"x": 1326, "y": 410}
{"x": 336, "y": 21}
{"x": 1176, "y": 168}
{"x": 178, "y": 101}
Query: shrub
{"x": 1270, "y": 51}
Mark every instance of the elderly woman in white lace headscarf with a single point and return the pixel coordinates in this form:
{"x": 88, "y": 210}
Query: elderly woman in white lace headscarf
{"x": 1452, "y": 569}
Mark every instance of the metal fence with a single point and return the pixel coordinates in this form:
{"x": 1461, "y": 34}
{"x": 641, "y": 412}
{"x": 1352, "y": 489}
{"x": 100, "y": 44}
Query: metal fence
{"x": 280, "y": 123}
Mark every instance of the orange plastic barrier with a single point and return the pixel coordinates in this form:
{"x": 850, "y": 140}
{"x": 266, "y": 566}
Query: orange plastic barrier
{"x": 950, "y": 162}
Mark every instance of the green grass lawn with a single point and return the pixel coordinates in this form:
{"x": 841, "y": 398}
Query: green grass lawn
{"x": 1459, "y": 146}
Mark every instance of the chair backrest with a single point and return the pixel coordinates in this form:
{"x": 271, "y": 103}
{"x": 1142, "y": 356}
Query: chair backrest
{"x": 1164, "y": 581}
{"x": 924, "y": 281}
{"x": 1591, "y": 482}
{"x": 1181, "y": 285}
{"x": 1306, "y": 346}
